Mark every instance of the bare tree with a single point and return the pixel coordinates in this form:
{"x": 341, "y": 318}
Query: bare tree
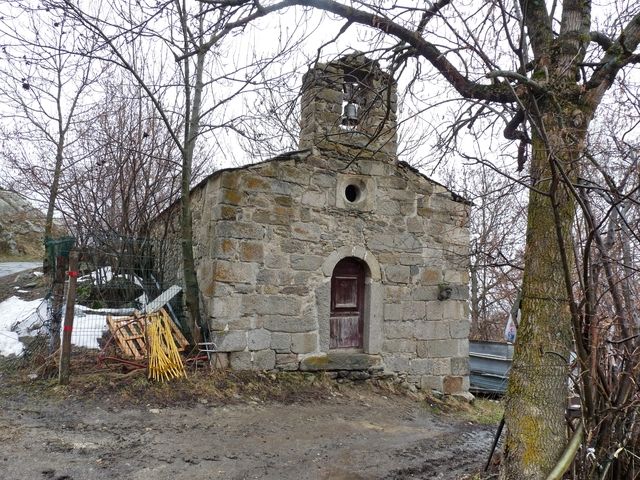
{"x": 46, "y": 88}
{"x": 128, "y": 173}
{"x": 605, "y": 311}
{"x": 497, "y": 242}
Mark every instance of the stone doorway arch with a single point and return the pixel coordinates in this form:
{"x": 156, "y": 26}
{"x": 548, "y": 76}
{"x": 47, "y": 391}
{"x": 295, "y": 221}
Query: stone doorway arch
{"x": 372, "y": 299}
{"x": 346, "y": 319}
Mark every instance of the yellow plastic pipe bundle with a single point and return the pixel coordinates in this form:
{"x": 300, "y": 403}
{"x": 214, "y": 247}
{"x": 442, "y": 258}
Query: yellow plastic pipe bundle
{"x": 165, "y": 361}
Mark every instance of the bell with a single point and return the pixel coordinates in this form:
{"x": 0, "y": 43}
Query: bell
{"x": 350, "y": 115}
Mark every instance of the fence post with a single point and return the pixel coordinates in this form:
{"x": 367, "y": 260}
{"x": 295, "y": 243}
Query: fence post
{"x": 57, "y": 301}
{"x": 65, "y": 351}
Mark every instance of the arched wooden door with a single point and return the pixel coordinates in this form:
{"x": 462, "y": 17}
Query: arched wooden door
{"x": 347, "y": 304}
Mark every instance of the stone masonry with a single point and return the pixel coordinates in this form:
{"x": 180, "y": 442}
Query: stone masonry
{"x": 268, "y": 236}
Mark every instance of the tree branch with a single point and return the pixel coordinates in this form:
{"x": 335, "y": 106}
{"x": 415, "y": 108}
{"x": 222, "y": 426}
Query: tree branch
{"x": 500, "y": 93}
{"x": 538, "y": 23}
{"x": 601, "y": 39}
{"x": 619, "y": 54}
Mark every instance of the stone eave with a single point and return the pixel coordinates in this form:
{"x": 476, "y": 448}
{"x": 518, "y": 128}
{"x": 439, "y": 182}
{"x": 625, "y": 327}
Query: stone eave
{"x": 292, "y": 155}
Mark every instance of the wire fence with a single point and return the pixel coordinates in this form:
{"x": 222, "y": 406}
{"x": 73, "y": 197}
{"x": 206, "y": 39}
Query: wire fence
{"x": 116, "y": 283}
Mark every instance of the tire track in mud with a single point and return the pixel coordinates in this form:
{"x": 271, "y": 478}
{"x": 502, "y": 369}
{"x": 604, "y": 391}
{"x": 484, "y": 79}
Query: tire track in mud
{"x": 447, "y": 457}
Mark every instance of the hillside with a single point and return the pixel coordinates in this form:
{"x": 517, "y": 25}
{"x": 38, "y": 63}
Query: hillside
{"x": 21, "y": 227}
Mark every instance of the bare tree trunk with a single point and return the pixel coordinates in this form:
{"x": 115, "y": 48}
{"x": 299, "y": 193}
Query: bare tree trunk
{"x": 53, "y": 195}
{"x": 53, "y": 191}
{"x": 192, "y": 291}
{"x": 537, "y": 391}
{"x": 474, "y": 300}
{"x": 191, "y": 131}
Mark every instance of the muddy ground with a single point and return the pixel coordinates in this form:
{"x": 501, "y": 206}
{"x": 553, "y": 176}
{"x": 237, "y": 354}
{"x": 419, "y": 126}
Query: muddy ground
{"x": 329, "y": 431}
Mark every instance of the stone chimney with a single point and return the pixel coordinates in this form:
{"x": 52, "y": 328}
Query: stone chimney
{"x": 371, "y": 93}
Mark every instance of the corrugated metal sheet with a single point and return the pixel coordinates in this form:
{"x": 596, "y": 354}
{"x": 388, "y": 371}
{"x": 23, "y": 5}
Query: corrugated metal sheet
{"x": 490, "y": 363}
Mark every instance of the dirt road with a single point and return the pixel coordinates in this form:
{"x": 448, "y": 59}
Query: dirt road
{"x": 357, "y": 435}
{"x": 9, "y": 268}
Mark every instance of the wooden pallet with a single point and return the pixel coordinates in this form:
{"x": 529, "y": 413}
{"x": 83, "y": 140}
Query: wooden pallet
{"x": 129, "y": 333}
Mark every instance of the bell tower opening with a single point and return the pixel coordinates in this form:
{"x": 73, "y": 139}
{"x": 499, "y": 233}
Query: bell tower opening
{"x": 350, "y": 101}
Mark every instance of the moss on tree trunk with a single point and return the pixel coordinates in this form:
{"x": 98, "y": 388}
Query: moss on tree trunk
{"x": 537, "y": 391}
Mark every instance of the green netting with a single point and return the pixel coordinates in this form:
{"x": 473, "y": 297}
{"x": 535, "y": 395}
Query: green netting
{"x": 58, "y": 247}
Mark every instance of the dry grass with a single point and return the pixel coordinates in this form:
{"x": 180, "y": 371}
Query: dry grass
{"x": 133, "y": 388}
{"x": 482, "y": 411}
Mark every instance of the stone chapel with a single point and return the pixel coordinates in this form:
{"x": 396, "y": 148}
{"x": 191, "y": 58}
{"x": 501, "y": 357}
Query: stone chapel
{"x": 337, "y": 256}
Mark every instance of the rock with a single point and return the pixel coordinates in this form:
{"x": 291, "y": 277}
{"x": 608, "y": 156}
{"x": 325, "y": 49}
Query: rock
{"x": 259, "y": 360}
{"x": 230, "y": 341}
{"x": 340, "y": 361}
{"x": 21, "y": 226}
{"x": 259, "y": 339}
{"x": 359, "y": 375}
{"x": 287, "y": 361}
{"x": 464, "y": 396}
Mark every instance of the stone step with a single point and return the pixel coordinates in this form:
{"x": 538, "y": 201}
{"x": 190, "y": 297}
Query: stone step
{"x": 340, "y": 361}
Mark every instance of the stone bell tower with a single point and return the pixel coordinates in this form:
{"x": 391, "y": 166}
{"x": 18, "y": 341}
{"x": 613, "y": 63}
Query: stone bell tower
{"x": 349, "y": 106}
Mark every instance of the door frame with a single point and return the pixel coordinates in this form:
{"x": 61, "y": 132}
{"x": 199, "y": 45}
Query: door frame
{"x": 350, "y": 268}
{"x": 373, "y": 299}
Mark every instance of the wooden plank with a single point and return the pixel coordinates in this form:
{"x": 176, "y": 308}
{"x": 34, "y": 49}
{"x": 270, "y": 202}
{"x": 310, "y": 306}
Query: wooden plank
{"x": 137, "y": 337}
{"x": 123, "y": 334}
{"x": 130, "y": 333}
{"x": 345, "y": 332}
{"x": 114, "y": 328}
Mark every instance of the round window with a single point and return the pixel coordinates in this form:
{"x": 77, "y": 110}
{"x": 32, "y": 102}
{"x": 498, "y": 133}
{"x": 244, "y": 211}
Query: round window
{"x": 352, "y": 193}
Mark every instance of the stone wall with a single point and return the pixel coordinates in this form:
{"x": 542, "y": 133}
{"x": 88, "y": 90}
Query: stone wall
{"x": 265, "y": 234}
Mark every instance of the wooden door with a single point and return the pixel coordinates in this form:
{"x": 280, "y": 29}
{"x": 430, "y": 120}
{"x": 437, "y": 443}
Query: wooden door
{"x": 347, "y": 300}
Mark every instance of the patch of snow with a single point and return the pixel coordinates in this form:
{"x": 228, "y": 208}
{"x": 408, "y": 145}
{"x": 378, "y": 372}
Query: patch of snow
{"x": 143, "y": 300}
{"x": 136, "y": 280}
{"x": 82, "y": 311}
{"x": 105, "y": 275}
{"x": 102, "y": 275}
{"x": 87, "y": 329}
{"x": 17, "y": 314}
{"x": 19, "y": 317}
{"x": 9, "y": 344}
